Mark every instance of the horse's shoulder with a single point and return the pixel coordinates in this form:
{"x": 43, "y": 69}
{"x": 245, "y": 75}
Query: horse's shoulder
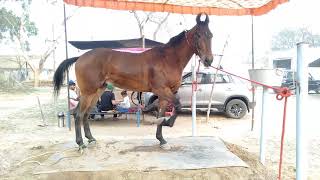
{"x": 162, "y": 51}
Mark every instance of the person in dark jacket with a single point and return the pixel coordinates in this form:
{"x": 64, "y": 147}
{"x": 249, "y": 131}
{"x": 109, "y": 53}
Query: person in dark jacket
{"x": 107, "y": 101}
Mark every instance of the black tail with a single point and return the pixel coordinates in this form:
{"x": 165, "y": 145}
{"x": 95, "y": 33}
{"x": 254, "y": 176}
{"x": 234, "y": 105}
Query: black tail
{"x": 59, "y": 75}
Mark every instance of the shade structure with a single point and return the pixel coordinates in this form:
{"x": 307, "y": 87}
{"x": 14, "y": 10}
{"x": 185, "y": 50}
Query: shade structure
{"x": 315, "y": 63}
{"x": 115, "y": 44}
{"x": 211, "y": 7}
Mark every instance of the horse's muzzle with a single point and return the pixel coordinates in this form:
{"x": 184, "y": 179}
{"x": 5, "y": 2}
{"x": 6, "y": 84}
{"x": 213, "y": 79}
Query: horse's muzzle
{"x": 207, "y": 62}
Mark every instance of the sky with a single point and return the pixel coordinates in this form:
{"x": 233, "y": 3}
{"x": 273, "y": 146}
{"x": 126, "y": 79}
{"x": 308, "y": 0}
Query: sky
{"x": 104, "y": 24}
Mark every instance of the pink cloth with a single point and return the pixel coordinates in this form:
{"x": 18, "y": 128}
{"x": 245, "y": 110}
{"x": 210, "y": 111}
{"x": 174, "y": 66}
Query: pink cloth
{"x": 73, "y": 104}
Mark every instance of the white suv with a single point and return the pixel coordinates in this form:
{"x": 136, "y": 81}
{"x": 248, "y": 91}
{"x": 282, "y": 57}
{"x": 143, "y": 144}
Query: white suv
{"x": 229, "y": 96}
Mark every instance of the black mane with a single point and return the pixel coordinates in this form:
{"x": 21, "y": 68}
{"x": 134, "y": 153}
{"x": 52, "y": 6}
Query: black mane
{"x": 176, "y": 39}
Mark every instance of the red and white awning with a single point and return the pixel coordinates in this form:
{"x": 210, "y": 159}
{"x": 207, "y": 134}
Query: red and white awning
{"x": 211, "y": 7}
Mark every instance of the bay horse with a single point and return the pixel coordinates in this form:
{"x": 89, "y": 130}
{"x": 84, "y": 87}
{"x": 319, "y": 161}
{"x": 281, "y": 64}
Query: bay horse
{"x": 157, "y": 70}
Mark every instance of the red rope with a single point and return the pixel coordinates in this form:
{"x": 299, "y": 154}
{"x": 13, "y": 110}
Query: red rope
{"x": 282, "y": 92}
{"x": 282, "y": 135}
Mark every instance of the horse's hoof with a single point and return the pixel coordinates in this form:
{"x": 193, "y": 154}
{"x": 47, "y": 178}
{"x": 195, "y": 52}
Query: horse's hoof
{"x": 165, "y": 146}
{"x": 92, "y": 141}
{"x": 81, "y": 148}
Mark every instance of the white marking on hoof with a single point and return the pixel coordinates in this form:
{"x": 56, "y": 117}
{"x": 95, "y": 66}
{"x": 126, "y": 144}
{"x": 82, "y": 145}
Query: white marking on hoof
{"x": 165, "y": 146}
{"x": 92, "y": 143}
{"x": 81, "y": 151}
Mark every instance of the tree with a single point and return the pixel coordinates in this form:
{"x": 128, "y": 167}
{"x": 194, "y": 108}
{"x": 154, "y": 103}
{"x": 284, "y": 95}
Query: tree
{"x": 150, "y": 17}
{"x": 288, "y": 38}
{"x": 19, "y": 28}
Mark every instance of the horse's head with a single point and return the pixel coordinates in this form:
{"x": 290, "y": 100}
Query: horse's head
{"x": 202, "y": 40}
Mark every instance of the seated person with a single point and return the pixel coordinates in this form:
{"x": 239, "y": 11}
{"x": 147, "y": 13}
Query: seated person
{"x": 73, "y": 96}
{"x": 124, "y": 105}
{"x": 107, "y": 101}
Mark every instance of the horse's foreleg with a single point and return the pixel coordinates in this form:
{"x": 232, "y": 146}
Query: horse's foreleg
{"x": 163, "y": 143}
{"x": 177, "y": 108}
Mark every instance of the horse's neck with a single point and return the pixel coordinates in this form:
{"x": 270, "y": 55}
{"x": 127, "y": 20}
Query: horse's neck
{"x": 184, "y": 52}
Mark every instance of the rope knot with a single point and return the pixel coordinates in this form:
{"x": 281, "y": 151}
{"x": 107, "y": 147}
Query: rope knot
{"x": 283, "y": 92}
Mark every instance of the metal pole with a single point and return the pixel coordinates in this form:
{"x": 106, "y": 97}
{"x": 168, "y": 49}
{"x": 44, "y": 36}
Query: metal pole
{"x": 54, "y": 51}
{"x": 66, "y": 43}
{"x": 252, "y": 67}
{"x": 214, "y": 81}
{"x": 301, "y": 104}
{"x": 194, "y": 102}
{"x": 143, "y": 42}
{"x": 263, "y": 125}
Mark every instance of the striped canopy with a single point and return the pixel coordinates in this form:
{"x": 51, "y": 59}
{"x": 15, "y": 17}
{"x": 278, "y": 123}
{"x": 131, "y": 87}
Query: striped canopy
{"x": 211, "y": 7}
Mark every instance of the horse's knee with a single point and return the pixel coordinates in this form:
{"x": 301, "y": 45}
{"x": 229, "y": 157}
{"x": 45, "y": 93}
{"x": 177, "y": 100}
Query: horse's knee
{"x": 170, "y": 122}
{"x": 177, "y": 104}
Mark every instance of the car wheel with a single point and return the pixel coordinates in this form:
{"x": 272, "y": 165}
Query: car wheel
{"x": 236, "y": 109}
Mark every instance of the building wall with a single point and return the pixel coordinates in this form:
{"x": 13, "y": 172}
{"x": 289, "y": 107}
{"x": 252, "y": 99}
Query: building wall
{"x": 311, "y": 55}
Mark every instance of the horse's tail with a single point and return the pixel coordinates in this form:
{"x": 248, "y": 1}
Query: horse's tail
{"x": 59, "y": 75}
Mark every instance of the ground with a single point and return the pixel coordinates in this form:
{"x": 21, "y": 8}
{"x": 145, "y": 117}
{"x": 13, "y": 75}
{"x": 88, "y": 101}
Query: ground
{"x": 22, "y": 137}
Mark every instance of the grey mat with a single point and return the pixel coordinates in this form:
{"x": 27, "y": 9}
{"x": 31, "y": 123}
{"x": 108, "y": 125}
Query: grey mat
{"x": 141, "y": 154}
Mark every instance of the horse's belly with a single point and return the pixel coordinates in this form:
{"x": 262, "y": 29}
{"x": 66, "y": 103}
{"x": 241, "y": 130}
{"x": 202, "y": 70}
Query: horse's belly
{"x": 133, "y": 84}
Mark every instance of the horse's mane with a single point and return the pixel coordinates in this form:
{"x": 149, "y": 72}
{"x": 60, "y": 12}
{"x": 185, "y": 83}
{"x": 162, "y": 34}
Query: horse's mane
{"x": 176, "y": 39}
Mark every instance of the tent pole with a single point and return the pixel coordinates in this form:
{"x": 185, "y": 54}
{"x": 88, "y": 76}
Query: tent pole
{"x": 194, "y": 101}
{"x": 66, "y": 44}
{"x": 252, "y": 67}
{"x": 301, "y": 107}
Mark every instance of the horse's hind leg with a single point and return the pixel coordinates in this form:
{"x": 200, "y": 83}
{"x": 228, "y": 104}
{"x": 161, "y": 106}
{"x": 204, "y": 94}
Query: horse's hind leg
{"x": 93, "y": 101}
{"x": 78, "y": 118}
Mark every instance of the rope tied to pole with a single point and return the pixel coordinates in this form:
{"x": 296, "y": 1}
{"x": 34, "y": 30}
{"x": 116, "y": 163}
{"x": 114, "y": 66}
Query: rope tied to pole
{"x": 282, "y": 93}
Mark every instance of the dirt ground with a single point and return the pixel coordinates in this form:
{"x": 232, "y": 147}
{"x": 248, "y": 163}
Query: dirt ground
{"x": 22, "y": 138}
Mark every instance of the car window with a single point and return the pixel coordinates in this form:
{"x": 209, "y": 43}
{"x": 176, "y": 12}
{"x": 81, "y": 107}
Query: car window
{"x": 203, "y": 78}
{"x": 188, "y": 78}
{"x": 221, "y": 78}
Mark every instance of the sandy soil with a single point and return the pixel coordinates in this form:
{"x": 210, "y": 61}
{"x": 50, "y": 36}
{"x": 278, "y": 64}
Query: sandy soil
{"x": 22, "y": 138}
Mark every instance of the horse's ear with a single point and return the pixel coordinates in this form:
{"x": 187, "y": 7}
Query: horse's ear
{"x": 207, "y": 19}
{"x": 198, "y": 19}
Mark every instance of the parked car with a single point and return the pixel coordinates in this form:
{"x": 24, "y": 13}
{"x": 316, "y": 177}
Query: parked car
{"x": 289, "y": 78}
{"x": 231, "y": 97}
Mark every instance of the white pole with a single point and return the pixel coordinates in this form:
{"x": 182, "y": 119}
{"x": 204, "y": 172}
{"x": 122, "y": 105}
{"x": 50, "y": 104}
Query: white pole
{"x": 214, "y": 81}
{"x": 301, "y": 99}
{"x": 263, "y": 126}
{"x": 194, "y": 102}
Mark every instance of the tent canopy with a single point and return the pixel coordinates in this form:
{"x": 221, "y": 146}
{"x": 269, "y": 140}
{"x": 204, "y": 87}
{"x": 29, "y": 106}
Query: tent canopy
{"x": 115, "y": 44}
{"x": 315, "y": 63}
{"x": 211, "y": 7}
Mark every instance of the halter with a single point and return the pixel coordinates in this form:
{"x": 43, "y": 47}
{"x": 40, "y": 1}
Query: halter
{"x": 196, "y": 49}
